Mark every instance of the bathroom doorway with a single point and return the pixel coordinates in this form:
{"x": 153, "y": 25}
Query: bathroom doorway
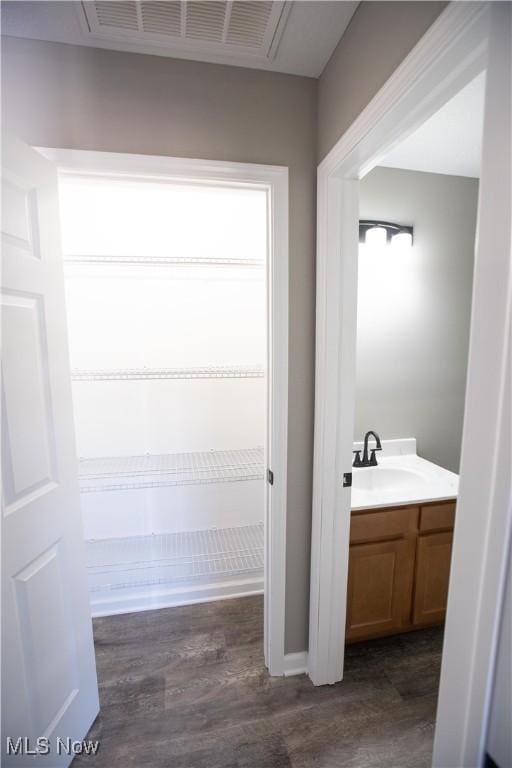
{"x": 406, "y": 101}
{"x": 417, "y": 226}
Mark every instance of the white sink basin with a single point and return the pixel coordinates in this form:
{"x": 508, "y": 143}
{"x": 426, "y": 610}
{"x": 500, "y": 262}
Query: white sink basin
{"x": 401, "y": 477}
{"x": 387, "y": 479}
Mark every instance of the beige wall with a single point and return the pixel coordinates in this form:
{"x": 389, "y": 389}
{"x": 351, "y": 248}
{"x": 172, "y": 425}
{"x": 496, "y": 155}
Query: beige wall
{"x": 414, "y": 312}
{"x": 377, "y": 39}
{"x": 76, "y": 97}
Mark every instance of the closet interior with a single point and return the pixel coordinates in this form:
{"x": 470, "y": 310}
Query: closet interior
{"x": 166, "y": 302}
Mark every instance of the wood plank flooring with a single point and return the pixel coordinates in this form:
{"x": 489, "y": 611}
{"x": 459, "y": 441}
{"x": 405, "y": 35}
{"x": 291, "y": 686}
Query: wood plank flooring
{"x": 187, "y": 688}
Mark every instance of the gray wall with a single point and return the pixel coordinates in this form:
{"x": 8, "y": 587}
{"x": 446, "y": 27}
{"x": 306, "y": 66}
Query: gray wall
{"x": 414, "y": 312}
{"x": 76, "y": 97}
{"x": 377, "y": 39}
{"x": 72, "y": 97}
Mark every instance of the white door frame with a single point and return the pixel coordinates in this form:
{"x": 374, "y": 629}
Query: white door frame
{"x": 451, "y": 53}
{"x": 274, "y": 180}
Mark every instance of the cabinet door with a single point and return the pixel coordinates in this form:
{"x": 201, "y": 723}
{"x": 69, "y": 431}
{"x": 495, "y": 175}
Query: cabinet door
{"x": 433, "y": 558}
{"x": 380, "y": 578}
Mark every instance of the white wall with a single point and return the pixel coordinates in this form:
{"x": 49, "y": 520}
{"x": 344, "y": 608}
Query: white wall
{"x": 145, "y": 316}
{"x": 414, "y": 312}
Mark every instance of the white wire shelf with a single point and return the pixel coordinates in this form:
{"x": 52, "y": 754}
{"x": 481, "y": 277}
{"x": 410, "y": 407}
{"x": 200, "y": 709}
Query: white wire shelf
{"x": 173, "y": 261}
{"x": 145, "y": 374}
{"x": 119, "y": 473}
{"x": 208, "y": 555}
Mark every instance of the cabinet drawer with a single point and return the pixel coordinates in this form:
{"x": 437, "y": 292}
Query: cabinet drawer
{"x": 438, "y": 517}
{"x": 383, "y": 524}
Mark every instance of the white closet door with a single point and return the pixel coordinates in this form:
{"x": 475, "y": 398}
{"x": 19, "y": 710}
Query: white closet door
{"x": 48, "y": 668}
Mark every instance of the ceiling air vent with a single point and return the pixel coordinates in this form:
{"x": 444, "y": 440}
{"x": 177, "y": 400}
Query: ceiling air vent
{"x": 248, "y": 23}
{"x": 237, "y": 28}
{"x": 161, "y": 18}
{"x": 119, "y": 15}
{"x": 205, "y": 20}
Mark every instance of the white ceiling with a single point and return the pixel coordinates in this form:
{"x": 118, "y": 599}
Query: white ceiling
{"x": 307, "y": 34}
{"x": 450, "y": 141}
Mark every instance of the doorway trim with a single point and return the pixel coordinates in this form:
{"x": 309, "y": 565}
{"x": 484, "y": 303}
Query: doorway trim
{"x": 451, "y": 53}
{"x": 274, "y": 180}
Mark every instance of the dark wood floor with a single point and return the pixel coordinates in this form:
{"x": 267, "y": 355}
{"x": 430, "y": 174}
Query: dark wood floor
{"x": 187, "y": 688}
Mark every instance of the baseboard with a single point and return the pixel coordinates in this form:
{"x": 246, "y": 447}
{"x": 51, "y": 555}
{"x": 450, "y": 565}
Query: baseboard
{"x": 295, "y": 663}
{"x": 129, "y": 601}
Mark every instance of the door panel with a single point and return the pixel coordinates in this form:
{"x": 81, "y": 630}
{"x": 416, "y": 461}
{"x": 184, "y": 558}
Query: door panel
{"x": 379, "y": 588}
{"x": 19, "y": 217}
{"x": 48, "y": 667}
{"x": 47, "y": 644}
{"x": 29, "y": 445}
{"x": 433, "y": 561}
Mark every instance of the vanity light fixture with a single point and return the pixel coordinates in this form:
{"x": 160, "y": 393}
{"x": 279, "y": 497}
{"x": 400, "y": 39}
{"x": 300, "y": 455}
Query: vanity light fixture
{"x": 402, "y": 240}
{"x": 379, "y": 233}
{"x": 376, "y": 237}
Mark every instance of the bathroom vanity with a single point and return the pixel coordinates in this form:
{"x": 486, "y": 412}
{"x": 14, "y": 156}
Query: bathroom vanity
{"x": 399, "y": 568}
{"x": 400, "y": 553}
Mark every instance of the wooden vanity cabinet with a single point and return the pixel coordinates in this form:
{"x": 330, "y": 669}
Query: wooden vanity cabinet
{"x": 399, "y": 569}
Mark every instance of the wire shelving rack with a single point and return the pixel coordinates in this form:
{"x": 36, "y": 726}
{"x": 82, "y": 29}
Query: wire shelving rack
{"x": 157, "y": 470}
{"x": 162, "y": 261}
{"x": 148, "y": 374}
{"x": 164, "y": 559}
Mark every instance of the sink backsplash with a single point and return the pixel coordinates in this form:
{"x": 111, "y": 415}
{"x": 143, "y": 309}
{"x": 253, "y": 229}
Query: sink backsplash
{"x": 404, "y": 446}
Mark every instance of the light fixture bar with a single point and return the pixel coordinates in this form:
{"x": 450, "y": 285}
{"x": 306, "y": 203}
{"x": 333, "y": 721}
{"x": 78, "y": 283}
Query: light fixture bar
{"x": 391, "y": 229}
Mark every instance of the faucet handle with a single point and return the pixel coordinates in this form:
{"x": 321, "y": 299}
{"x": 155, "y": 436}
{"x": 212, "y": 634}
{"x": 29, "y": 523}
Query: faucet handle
{"x": 357, "y": 461}
{"x": 373, "y": 458}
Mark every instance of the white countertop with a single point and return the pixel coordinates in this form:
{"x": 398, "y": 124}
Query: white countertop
{"x": 401, "y": 477}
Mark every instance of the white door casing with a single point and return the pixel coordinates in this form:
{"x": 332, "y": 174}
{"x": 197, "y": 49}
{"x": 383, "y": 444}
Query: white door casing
{"x": 484, "y": 507}
{"x": 49, "y": 686}
{"x": 452, "y": 52}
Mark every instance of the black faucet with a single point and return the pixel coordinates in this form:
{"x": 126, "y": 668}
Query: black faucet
{"x": 372, "y": 461}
